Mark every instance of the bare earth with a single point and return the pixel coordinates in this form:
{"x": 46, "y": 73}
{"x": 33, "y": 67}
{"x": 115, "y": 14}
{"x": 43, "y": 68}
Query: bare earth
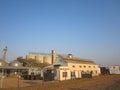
{"x": 106, "y": 82}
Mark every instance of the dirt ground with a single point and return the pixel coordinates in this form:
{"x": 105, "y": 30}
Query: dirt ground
{"x": 106, "y": 82}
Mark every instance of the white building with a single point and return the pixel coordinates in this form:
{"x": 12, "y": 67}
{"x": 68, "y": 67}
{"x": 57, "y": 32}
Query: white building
{"x": 69, "y": 67}
{"x": 114, "y": 69}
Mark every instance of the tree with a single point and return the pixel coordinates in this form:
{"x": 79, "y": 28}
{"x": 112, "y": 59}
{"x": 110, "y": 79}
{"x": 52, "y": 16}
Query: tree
{"x": 31, "y": 63}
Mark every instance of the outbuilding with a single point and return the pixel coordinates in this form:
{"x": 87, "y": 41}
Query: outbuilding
{"x": 114, "y": 69}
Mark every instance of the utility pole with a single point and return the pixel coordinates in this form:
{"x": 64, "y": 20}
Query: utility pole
{"x": 2, "y": 77}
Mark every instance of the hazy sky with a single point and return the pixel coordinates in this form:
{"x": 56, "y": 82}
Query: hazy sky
{"x": 85, "y": 28}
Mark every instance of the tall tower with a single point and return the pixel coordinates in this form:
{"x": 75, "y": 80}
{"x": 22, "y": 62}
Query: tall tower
{"x": 53, "y": 56}
{"x": 4, "y": 53}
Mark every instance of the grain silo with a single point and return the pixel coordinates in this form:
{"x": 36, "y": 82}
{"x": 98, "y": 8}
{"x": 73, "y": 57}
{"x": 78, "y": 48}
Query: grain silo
{"x": 39, "y": 59}
{"x": 53, "y": 56}
{"x": 48, "y": 59}
{"x": 30, "y": 56}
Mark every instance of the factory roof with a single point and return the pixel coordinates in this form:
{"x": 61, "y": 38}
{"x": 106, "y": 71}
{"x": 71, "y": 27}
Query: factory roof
{"x": 73, "y": 59}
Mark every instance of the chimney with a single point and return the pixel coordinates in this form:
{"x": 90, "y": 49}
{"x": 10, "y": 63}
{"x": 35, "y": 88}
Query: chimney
{"x": 53, "y": 56}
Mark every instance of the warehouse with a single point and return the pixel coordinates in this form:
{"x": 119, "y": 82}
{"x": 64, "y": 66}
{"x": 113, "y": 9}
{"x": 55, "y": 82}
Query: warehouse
{"x": 70, "y": 67}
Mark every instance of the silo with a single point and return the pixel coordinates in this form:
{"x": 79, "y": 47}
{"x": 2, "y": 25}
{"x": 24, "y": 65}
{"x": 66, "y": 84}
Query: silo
{"x": 48, "y": 59}
{"x": 53, "y": 56}
{"x": 39, "y": 59}
{"x": 30, "y": 56}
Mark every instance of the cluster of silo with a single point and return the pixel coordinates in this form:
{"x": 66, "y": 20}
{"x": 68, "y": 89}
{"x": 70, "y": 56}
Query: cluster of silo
{"x": 47, "y": 58}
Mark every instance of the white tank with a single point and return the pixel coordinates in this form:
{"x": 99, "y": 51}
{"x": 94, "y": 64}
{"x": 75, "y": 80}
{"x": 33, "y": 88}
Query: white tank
{"x": 39, "y": 59}
{"x": 48, "y": 59}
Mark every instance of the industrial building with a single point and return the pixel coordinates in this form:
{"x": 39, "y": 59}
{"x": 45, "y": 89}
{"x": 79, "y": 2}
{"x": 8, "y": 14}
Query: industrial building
{"x": 62, "y": 67}
{"x": 69, "y": 67}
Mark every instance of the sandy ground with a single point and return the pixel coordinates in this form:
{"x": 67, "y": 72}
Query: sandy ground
{"x": 17, "y": 83}
{"x": 106, "y": 82}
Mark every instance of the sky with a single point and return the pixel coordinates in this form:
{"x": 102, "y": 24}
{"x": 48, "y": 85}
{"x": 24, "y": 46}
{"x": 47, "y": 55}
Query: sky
{"x": 85, "y": 28}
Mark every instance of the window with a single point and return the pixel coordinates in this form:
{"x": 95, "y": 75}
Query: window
{"x": 73, "y": 66}
{"x": 84, "y": 66}
{"x": 64, "y": 74}
{"x": 80, "y": 66}
{"x": 82, "y": 72}
{"x": 93, "y": 66}
{"x": 96, "y": 72}
{"x": 89, "y": 66}
{"x": 91, "y": 72}
{"x": 72, "y": 73}
{"x": 113, "y": 67}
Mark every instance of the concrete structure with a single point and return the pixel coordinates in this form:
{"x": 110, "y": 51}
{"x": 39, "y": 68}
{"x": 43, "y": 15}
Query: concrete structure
{"x": 69, "y": 67}
{"x": 54, "y": 56}
{"x": 39, "y": 59}
{"x": 30, "y": 56}
{"x": 48, "y": 59}
{"x": 114, "y": 69}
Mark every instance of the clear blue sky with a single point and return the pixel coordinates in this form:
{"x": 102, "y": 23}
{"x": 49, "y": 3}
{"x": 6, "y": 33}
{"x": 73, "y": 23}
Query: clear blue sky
{"x": 85, "y": 28}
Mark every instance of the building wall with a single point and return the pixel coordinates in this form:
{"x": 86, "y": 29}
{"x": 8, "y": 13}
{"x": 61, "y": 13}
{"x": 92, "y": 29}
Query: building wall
{"x": 78, "y": 68}
{"x": 114, "y": 69}
{"x": 74, "y": 70}
{"x": 64, "y": 73}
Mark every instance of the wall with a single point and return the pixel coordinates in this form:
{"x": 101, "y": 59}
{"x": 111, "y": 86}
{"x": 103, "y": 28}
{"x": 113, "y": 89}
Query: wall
{"x": 115, "y": 69}
{"x": 64, "y": 69}
{"x": 78, "y": 68}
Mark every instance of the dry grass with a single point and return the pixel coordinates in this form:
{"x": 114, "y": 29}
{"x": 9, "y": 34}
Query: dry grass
{"x": 107, "y": 82}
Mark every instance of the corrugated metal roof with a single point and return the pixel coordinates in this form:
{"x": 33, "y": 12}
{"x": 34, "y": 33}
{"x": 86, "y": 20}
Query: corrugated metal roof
{"x": 76, "y": 60}
{"x": 11, "y": 67}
